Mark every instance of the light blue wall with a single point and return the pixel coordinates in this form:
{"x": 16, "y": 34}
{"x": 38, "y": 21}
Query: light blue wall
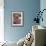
{"x": 29, "y": 7}
{"x": 43, "y": 6}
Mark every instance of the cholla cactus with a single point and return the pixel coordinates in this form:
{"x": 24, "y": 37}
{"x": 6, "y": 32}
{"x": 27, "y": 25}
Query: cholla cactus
{"x": 28, "y": 40}
{"x": 4, "y": 44}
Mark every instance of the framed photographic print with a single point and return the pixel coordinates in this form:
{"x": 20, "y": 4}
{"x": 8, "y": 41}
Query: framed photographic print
{"x": 17, "y": 18}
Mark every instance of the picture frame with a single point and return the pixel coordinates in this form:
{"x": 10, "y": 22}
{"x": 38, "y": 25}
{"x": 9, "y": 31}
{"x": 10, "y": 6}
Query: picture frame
{"x": 17, "y": 18}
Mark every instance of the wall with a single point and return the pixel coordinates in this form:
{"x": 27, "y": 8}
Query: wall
{"x": 29, "y": 7}
{"x": 1, "y": 21}
{"x": 43, "y": 6}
